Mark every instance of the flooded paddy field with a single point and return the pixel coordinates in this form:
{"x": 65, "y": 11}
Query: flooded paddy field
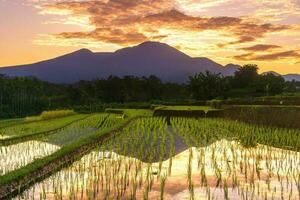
{"x": 185, "y": 159}
{"x": 15, "y": 156}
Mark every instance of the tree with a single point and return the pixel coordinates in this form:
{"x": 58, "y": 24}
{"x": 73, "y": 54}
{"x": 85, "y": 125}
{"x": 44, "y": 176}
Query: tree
{"x": 291, "y": 86}
{"x": 245, "y": 76}
{"x": 269, "y": 84}
{"x": 153, "y": 87}
{"x": 206, "y": 85}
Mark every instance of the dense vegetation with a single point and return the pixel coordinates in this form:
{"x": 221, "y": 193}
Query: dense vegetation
{"x": 23, "y": 96}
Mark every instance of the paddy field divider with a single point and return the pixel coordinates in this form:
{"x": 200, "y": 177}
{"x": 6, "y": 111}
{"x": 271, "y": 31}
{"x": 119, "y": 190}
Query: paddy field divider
{"x": 24, "y": 138}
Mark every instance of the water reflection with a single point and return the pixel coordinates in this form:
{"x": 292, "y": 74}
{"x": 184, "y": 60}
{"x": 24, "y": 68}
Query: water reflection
{"x": 190, "y": 159}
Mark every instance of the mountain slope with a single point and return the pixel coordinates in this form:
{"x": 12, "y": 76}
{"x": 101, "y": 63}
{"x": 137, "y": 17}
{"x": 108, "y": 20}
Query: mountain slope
{"x": 287, "y": 77}
{"x": 145, "y": 59}
{"x": 290, "y": 77}
{"x": 64, "y": 69}
{"x": 159, "y": 59}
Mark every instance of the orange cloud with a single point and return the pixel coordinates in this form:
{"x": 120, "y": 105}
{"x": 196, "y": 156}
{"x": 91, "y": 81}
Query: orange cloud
{"x": 126, "y": 22}
{"x": 268, "y": 57}
{"x": 261, "y": 47}
{"x": 244, "y": 57}
{"x": 275, "y": 56}
{"x": 242, "y": 39}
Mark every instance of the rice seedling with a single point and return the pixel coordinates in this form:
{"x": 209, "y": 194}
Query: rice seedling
{"x": 36, "y": 127}
{"x": 221, "y": 160}
{"x": 18, "y": 155}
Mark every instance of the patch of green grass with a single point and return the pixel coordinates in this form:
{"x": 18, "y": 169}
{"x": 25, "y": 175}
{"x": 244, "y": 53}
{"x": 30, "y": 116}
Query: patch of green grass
{"x": 138, "y": 112}
{"x": 185, "y": 108}
{"x": 37, "y": 127}
{"x": 11, "y": 122}
{"x": 131, "y": 112}
{"x": 266, "y": 106}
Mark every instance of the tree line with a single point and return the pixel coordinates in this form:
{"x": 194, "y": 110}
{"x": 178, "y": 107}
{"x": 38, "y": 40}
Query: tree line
{"x": 246, "y": 82}
{"x": 21, "y": 96}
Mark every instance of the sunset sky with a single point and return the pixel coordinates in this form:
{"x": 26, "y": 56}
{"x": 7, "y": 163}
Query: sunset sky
{"x": 264, "y": 32}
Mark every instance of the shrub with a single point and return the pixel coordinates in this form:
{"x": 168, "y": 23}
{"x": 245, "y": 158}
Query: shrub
{"x": 51, "y": 115}
{"x": 56, "y": 114}
{"x": 215, "y": 103}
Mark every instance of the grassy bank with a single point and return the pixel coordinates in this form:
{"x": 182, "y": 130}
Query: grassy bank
{"x": 21, "y": 130}
{"x": 185, "y": 108}
{"x": 11, "y": 122}
{"x": 131, "y": 112}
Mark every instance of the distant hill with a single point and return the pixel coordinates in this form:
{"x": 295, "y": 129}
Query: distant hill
{"x": 290, "y": 77}
{"x": 148, "y": 58}
{"x": 68, "y": 68}
{"x": 287, "y": 77}
{"x": 230, "y": 69}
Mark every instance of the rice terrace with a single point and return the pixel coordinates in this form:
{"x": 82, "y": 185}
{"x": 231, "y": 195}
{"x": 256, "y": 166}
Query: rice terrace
{"x": 139, "y": 154}
{"x": 149, "y": 100}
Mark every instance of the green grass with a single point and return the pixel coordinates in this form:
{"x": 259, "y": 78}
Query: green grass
{"x": 37, "y": 127}
{"x": 267, "y": 106}
{"x": 132, "y": 112}
{"x": 185, "y": 108}
{"x": 11, "y": 122}
{"x": 138, "y": 112}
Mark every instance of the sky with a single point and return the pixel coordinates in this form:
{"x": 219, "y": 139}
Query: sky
{"x": 262, "y": 32}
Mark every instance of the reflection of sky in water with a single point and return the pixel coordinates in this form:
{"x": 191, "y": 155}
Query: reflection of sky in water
{"x": 15, "y": 156}
{"x": 225, "y": 156}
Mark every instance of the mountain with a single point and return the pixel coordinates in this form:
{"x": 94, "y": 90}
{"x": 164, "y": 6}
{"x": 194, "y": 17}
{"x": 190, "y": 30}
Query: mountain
{"x": 271, "y": 72}
{"x": 145, "y": 59}
{"x": 229, "y": 69}
{"x": 287, "y": 77}
{"x": 290, "y": 77}
{"x": 64, "y": 69}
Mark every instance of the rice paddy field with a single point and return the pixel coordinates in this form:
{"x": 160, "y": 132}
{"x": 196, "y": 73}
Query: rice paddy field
{"x": 157, "y": 158}
{"x": 23, "y": 129}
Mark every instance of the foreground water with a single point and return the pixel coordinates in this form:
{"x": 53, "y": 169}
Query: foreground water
{"x": 222, "y": 170}
{"x": 188, "y": 159}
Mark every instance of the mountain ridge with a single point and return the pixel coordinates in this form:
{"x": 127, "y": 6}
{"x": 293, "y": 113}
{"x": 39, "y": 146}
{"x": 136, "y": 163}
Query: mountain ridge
{"x": 148, "y": 58}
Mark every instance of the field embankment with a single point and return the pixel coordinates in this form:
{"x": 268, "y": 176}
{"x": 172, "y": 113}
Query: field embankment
{"x": 185, "y": 111}
{"x": 266, "y": 115}
{"x": 278, "y": 116}
{"x": 27, "y": 131}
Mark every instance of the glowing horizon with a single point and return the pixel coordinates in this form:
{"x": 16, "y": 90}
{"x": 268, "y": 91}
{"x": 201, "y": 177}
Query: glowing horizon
{"x": 228, "y": 31}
